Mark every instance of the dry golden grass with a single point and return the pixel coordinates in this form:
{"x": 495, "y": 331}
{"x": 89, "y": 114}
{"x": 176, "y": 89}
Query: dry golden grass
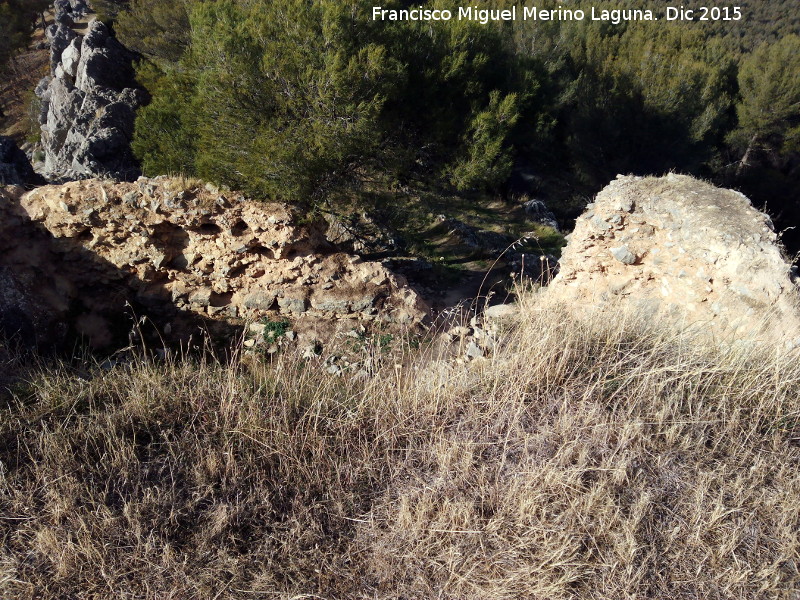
{"x": 586, "y": 459}
{"x": 183, "y": 183}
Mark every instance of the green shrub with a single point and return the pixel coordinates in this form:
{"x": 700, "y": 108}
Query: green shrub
{"x": 274, "y": 330}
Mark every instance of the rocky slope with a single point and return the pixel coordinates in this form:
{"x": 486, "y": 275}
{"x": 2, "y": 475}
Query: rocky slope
{"x": 66, "y": 11}
{"x": 79, "y": 256}
{"x": 677, "y": 246}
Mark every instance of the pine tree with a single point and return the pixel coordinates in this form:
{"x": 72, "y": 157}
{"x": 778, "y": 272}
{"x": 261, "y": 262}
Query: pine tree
{"x": 488, "y": 160}
{"x": 157, "y": 29}
{"x": 108, "y": 10}
{"x": 769, "y": 108}
{"x": 17, "y": 21}
{"x": 304, "y": 100}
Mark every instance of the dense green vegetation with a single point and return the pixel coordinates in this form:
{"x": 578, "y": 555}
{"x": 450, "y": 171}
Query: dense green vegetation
{"x": 314, "y": 101}
{"x": 718, "y": 100}
{"x": 303, "y": 101}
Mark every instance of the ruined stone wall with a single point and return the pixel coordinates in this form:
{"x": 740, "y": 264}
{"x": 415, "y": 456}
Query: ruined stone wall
{"x": 80, "y": 252}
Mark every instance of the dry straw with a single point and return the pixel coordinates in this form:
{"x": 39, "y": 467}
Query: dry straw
{"x": 589, "y": 457}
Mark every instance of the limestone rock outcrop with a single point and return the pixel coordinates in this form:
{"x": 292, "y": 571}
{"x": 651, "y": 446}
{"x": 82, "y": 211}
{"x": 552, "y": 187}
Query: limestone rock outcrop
{"x": 59, "y": 36}
{"x": 79, "y": 254}
{"x": 88, "y": 105}
{"x": 67, "y": 11}
{"x": 537, "y": 211}
{"x": 676, "y": 247}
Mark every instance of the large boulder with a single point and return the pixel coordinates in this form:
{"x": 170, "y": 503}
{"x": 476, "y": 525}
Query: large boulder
{"x": 59, "y": 35}
{"x": 88, "y": 106}
{"x": 31, "y": 313}
{"x": 66, "y": 12}
{"x": 62, "y": 13}
{"x": 79, "y": 8}
{"x": 678, "y": 248}
{"x": 538, "y": 212}
{"x": 104, "y": 62}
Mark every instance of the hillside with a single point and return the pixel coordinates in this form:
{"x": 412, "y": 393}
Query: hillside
{"x": 600, "y": 458}
{"x": 546, "y": 449}
{"x": 299, "y": 304}
{"x": 766, "y": 20}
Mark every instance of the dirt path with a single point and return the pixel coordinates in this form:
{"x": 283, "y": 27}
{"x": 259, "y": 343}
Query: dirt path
{"x": 476, "y": 287}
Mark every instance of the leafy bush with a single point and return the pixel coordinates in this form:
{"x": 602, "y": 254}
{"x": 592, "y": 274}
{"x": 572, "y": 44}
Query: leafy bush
{"x": 274, "y": 330}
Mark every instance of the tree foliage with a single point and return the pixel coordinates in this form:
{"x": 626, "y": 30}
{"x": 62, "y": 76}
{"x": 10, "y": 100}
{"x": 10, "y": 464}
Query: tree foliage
{"x": 108, "y": 10}
{"x": 157, "y": 29}
{"x": 311, "y": 99}
{"x": 301, "y": 100}
{"x": 769, "y": 110}
{"x": 643, "y": 97}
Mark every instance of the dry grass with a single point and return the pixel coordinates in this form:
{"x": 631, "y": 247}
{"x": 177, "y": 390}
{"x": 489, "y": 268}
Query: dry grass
{"x": 587, "y": 459}
{"x": 183, "y": 183}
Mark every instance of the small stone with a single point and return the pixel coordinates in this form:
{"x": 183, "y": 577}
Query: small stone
{"x": 474, "y": 351}
{"x": 310, "y": 351}
{"x": 364, "y": 305}
{"x": 159, "y": 259}
{"x": 130, "y": 198}
{"x": 501, "y": 311}
{"x": 292, "y": 305}
{"x": 600, "y": 224}
{"x": 623, "y": 255}
{"x": 331, "y": 305}
{"x": 459, "y": 331}
{"x": 201, "y": 297}
{"x": 625, "y": 205}
{"x": 259, "y": 300}
{"x": 487, "y": 343}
